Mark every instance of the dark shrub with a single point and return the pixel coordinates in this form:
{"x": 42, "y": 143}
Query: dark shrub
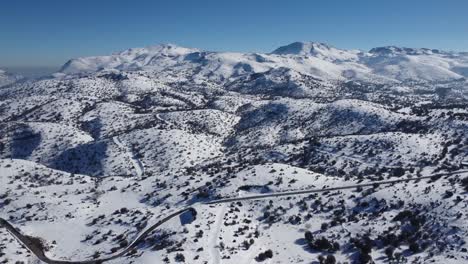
{"x": 364, "y": 258}
{"x": 330, "y": 259}
{"x": 464, "y": 183}
{"x": 323, "y": 244}
{"x": 414, "y": 247}
{"x": 264, "y": 255}
{"x": 261, "y": 257}
{"x": 308, "y": 236}
{"x": 180, "y": 257}
{"x": 389, "y": 252}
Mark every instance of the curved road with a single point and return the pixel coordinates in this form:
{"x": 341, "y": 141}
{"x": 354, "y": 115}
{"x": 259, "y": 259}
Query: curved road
{"x": 37, "y": 249}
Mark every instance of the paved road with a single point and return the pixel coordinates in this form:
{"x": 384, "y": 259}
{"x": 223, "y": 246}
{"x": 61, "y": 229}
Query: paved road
{"x": 308, "y": 191}
{"x": 37, "y": 249}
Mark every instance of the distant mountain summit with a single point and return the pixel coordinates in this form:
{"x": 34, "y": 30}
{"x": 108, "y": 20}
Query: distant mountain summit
{"x": 130, "y": 59}
{"x": 318, "y": 50}
{"x": 8, "y": 78}
{"x": 318, "y": 60}
{"x": 393, "y": 50}
{"x": 301, "y": 48}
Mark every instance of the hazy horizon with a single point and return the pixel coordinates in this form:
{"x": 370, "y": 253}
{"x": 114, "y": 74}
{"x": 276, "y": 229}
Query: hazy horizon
{"x": 31, "y": 71}
{"x": 48, "y": 33}
{"x": 36, "y": 69}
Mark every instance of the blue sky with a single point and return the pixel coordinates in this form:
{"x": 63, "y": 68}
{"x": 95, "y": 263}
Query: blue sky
{"x": 47, "y": 32}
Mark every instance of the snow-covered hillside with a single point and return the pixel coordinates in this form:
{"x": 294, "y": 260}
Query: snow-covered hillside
{"x": 94, "y": 157}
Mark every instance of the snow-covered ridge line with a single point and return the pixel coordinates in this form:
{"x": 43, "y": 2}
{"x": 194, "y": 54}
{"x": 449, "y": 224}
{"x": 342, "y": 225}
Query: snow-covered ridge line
{"x": 318, "y": 60}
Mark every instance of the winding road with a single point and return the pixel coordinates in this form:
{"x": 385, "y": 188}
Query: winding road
{"x": 36, "y": 248}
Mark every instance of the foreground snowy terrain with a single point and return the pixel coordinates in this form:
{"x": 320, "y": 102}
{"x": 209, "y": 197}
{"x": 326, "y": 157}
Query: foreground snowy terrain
{"x": 110, "y": 145}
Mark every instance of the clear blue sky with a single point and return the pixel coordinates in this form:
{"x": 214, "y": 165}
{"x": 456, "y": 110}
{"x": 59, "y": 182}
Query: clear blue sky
{"x": 46, "y": 32}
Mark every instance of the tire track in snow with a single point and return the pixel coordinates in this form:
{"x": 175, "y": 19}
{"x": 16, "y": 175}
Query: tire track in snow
{"x": 137, "y": 164}
{"x": 212, "y": 244}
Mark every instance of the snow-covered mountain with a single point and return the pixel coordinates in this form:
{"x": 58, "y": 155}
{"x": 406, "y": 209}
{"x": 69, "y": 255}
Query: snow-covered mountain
{"x": 130, "y": 59}
{"x": 113, "y": 149}
{"x": 8, "y": 78}
{"x": 317, "y": 60}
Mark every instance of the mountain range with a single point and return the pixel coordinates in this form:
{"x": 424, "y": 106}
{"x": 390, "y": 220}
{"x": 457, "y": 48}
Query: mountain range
{"x": 318, "y": 60}
{"x": 307, "y": 154}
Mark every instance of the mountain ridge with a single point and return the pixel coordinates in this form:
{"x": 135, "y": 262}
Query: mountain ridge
{"x": 316, "y": 59}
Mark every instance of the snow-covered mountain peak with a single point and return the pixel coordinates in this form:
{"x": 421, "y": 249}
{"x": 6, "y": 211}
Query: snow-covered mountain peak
{"x": 130, "y": 59}
{"x": 314, "y": 59}
{"x": 162, "y": 49}
{"x": 318, "y": 50}
{"x": 394, "y": 51}
{"x": 302, "y": 48}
